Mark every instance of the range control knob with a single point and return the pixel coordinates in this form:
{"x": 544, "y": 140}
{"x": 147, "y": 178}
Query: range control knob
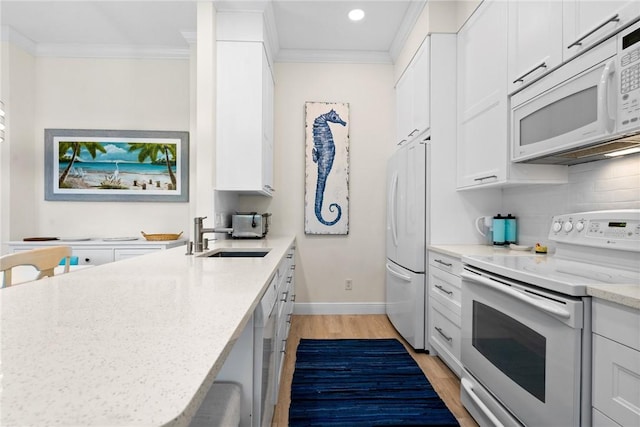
{"x": 580, "y": 226}
{"x": 568, "y": 226}
{"x": 557, "y": 226}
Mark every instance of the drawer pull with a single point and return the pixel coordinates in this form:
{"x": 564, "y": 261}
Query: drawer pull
{"x": 482, "y": 178}
{"x": 293, "y": 267}
{"x": 444, "y": 290}
{"x": 289, "y": 279}
{"x": 443, "y": 334}
{"x": 520, "y": 79}
{"x": 293, "y": 298}
{"x": 284, "y": 346}
{"x": 289, "y": 318}
{"x": 285, "y": 295}
{"x": 289, "y": 256}
{"x": 446, "y": 264}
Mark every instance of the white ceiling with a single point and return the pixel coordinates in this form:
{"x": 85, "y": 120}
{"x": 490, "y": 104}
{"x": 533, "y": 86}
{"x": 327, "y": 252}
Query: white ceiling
{"x": 304, "y": 27}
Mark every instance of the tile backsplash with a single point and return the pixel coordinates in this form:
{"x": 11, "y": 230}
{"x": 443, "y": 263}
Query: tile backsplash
{"x": 606, "y": 184}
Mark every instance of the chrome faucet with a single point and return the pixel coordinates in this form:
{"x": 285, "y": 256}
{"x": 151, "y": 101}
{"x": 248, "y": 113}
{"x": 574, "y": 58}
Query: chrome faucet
{"x": 198, "y": 232}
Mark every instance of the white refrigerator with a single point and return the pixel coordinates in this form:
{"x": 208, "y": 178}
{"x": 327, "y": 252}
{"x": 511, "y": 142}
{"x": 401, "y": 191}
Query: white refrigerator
{"x": 406, "y": 237}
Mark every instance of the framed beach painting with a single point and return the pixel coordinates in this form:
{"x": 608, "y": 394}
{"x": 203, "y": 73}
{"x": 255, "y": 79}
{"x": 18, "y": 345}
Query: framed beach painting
{"x": 116, "y": 165}
{"x": 326, "y": 198}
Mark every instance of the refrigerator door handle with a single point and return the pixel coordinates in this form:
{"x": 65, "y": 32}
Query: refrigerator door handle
{"x": 394, "y": 207}
{"x": 398, "y": 275}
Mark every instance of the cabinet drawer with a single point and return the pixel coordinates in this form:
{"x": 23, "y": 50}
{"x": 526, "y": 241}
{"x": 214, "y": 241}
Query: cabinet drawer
{"x": 616, "y": 381}
{"x": 447, "y": 263}
{"x": 445, "y": 287}
{"x": 119, "y": 254}
{"x": 445, "y": 336}
{"x": 93, "y": 256}
{"x": 617, "y": 322}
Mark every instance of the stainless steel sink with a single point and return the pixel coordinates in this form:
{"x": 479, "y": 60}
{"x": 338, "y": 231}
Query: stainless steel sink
{"x": 236, "y": 253}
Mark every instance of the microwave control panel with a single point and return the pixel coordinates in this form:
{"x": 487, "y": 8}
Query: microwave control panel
{"x": 629, "y": 66}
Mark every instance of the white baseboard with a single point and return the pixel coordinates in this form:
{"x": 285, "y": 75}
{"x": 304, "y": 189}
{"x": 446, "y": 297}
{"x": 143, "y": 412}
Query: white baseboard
{"x": 310, "y": 308}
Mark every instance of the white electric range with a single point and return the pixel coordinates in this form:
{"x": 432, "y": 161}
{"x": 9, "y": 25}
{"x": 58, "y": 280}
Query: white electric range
{"x": 526, "y": 321}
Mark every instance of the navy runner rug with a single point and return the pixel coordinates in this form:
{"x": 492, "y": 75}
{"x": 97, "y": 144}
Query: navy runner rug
{"x": 362, "y": 382}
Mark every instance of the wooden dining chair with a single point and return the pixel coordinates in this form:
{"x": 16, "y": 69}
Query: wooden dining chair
{"x": 45, "y": 260}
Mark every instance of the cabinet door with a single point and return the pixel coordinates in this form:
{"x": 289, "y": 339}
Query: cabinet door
{"x": 404, "y": 106}
{"x": 586, "y": 22}
{"x": 535, "y": 34}
{"x": 482, "y": 97}
{"x": 267, "y": 125}
{"x": 240, "y": 157}
{"x": 421, "y": 95}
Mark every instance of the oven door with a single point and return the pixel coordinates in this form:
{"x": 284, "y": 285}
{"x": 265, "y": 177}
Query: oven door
{"x": 573, "y": 106}
{"x": 524, "y": 346}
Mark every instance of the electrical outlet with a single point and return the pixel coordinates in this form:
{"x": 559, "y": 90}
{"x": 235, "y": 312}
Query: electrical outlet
{"x": 348, "y": 285}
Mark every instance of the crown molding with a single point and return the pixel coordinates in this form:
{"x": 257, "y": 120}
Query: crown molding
{"x": 409, "y": 21}
{"x": 66, "y": 50}
{"x": 333, "y": 56}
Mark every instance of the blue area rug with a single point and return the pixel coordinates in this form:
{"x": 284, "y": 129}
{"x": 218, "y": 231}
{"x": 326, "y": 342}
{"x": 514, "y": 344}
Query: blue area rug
{"x": 362, "y": 382}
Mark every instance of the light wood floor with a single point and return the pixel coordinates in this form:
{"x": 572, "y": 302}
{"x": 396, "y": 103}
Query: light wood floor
{"x": 445, "y": 382}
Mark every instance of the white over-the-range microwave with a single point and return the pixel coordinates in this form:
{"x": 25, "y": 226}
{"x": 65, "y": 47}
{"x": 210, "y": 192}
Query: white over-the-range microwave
{"x": 584, "y": 110}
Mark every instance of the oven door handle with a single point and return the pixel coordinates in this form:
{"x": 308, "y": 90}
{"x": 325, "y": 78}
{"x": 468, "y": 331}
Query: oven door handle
{"x": 497, "y": 286}
{"x": 468, "y": 387}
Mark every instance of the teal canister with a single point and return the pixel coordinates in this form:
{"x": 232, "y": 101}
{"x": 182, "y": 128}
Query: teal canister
{"x": 510, "y": 229}
{"x": 499, "y": 225}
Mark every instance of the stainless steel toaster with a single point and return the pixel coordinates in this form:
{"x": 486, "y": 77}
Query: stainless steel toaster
{"x": 249, "y": 225}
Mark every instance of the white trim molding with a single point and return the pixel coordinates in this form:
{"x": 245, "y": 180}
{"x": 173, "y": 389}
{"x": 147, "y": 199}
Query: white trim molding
{"x": 326, "y": 308}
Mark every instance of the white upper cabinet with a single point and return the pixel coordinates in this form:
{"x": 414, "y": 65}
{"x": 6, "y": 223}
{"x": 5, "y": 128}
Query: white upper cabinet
{"x": 412, "y": 97}
{"x": 535, "y": 32}
{"x": 586, "y": 22}
{"x": 483, "y": 108}
{"x": 244, "y": 103}
{"x": 482, "y": 97}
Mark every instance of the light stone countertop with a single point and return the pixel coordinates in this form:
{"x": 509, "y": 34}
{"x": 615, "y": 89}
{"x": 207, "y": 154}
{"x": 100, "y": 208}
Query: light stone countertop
{"x": 135, "y": 342}
{"x": 628, "y": 295}
{"x": 483, "y": 250}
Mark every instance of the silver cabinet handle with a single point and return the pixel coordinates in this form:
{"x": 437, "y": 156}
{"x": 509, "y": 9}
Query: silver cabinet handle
{"x": 447, "y": 264}
{"x": 293, "y": 298}
{"x": 443, "y": 334}
{"x": 543, "y": 64}
{"x": 284, "y": 346}
{"x": 614, "y": 18}
{"x": 482, "y": 178}
{"x": 285, "y": 296}
{"x": 444, "y": 290}
{"x": 289, "y": 279}
{"x": 402, "y": 142}
{"x": 413, "y": 132}
{"x": 269, "y": 188}
{"x": 289, "y": 318}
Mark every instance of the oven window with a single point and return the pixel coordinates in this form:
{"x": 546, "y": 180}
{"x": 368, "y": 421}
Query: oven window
{"x": 558, "y": 118}
{"x": 517, "y": 350}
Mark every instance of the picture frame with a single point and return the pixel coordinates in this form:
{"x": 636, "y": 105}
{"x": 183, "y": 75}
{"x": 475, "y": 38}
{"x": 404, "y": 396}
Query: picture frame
{"x": 116, "y": 165}
{"x": 326, "y": 198}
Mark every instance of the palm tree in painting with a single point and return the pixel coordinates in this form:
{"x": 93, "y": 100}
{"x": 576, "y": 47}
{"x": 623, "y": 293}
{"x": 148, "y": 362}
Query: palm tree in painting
{"x": 63, "y": 150}
{"x": 152, "y": 151}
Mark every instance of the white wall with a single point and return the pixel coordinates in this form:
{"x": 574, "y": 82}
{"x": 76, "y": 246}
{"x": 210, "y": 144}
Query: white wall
{"x": 324, "y": 262}
{"x": 76, "y": 93}
{"x": 606, "y": 184}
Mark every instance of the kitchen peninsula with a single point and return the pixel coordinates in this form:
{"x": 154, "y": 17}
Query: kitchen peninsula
{"x": 134, "y": 342}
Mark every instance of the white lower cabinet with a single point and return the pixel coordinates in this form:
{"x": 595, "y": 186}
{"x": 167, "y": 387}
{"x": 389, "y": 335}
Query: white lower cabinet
{"x": 97, "y": 251}
{"x": 444, "y": 290}
{"x": 616, "y": 365}
{"x": 286, "y": 298}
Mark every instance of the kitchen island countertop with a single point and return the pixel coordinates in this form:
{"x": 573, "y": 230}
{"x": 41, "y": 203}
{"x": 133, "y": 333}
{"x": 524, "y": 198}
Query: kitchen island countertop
{"x": 135, "y": 342}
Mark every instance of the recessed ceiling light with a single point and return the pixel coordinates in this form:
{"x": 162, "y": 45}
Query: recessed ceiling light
{"x": 356, "y": 14}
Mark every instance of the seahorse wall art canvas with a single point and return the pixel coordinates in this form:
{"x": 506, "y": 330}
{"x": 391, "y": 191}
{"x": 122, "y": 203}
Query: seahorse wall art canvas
{"x": 326, "y": 199}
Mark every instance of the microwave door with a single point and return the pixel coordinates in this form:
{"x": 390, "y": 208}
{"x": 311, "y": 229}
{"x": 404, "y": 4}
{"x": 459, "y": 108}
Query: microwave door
{"x": 573, "y": 113}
